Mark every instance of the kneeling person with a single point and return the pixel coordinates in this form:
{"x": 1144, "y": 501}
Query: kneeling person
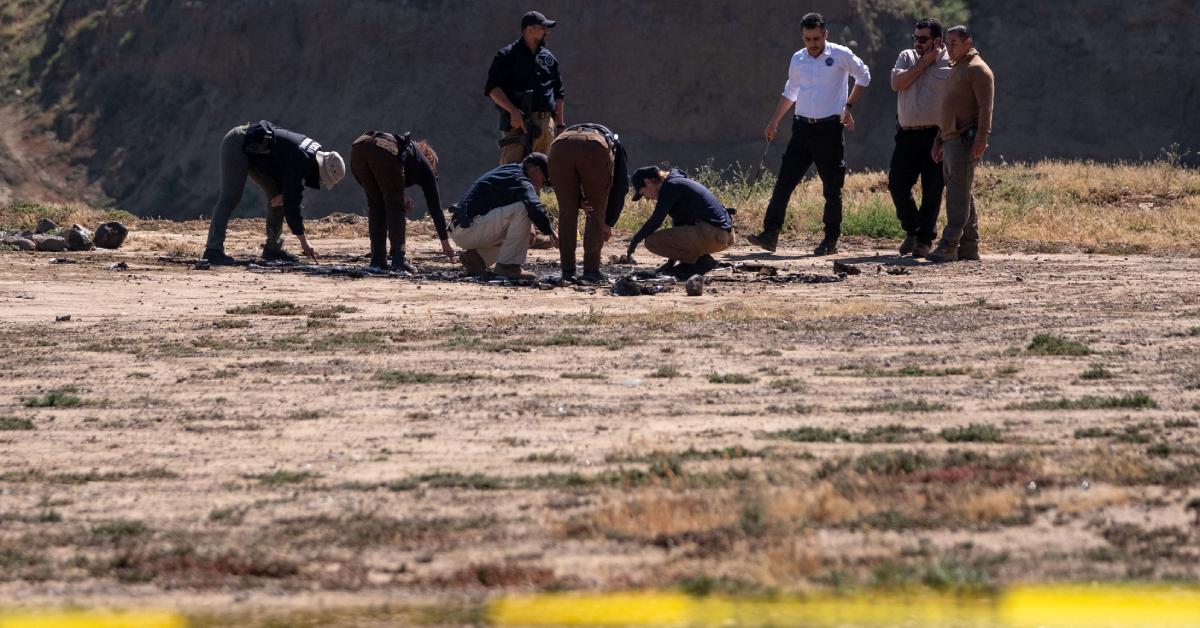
{"x": 701, "y": 224}
{"x": 587, "y": 165}
{"x": 493, "y": 220}
{"x": 384, "y": 164}
{"x": 280, "y": 162}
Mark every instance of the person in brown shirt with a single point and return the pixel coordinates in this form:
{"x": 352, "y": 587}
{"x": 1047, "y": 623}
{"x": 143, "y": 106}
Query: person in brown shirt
{"x": 966, "y": 124}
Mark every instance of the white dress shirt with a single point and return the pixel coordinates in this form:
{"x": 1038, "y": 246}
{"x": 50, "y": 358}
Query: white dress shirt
{"x": 819, "y": 85}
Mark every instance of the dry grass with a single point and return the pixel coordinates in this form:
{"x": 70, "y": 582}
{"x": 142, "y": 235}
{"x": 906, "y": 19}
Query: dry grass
{"x": 22, "y": 215}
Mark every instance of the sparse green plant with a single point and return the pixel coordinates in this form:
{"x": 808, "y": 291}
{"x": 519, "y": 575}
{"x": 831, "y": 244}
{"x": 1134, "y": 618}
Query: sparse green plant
{"x": 788, "y": 385}
{"x": 730, "y": 378}
{"x": 13, "y": 423}
{"x": 58, "y": 398}
{"x": 973, "y": 433}
{"x": 1048, "y": 344}
{"x": 1136, "y": 401}
{"x": 284, "y": 476}
{"x": 665, "y": 372}
{"x": 1095, "y": 372}
{"x": 809, "y": 434}
{"x": 268, "y": 308}
{"x": 120, "y": 528}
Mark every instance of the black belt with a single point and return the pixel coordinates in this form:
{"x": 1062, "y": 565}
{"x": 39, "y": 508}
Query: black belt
{"x": 833, "y": 118}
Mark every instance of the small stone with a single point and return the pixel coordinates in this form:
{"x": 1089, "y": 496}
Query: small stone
{"x": 694, "y": 285}
{"x": 111, "y": 235}
{"x": 45, "y": 225}
{"x": 841, "y": 268}
{"x": 52, "y": 244}
{"x": 202, "y": 265}
{"x": 78, "y": 238}
{"x": 62, "y": 318}
{"x": 23, "y": 244}
{"x": 626, "y": 286}
{"x": 1031, "y": 487}
{"x": 1085, "y": 485}
{"x": 119, "y": 266}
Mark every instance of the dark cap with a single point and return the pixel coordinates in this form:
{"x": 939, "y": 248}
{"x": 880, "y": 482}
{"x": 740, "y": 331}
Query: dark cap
{"x": 534, "y": 18}
{"x": 541, "y": 161}
{"x": 639, "y": 179}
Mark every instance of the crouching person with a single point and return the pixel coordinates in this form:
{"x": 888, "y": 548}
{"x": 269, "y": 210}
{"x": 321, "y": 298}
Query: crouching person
{"x": 701, "y": 224}
{"x": 282, "y": 163}
{"x": 493, "y": 221}
{"x": 384, "y": 164}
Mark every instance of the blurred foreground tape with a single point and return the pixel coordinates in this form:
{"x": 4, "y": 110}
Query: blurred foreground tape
{"x": 93, "y": 620}
{"x": 1110, "y": 606}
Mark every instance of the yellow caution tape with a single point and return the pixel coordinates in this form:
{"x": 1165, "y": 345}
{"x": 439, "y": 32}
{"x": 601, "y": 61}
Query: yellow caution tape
{"x": 94, "y": 620}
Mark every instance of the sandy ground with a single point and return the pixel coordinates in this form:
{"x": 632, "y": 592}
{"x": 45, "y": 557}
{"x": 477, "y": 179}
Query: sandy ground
{"x": 440, "y": 440}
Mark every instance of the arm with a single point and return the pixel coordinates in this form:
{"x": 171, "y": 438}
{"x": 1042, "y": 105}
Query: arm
{"x": 620, "y": 187}
{"x": 292, "y": 187}
{"x": 667, "y": 198}
{"x": 984, "y": 86}
{"x": 907, "y": 71}
{"x": 862, "y": 78}
{"x": 535, "y": 209}
{"x": 514, "y": 114}
{"x": 784, "y": 105}
{"x": 560, "y": 97}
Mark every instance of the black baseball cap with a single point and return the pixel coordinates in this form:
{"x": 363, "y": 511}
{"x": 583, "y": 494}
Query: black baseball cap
{"x": 534, "y": 18}
{"x": 639, "y": 179}
{"x": 541, "y": 161}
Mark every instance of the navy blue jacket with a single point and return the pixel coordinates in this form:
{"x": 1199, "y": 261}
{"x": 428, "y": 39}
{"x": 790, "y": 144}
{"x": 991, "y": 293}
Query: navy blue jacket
{"x": 687, "y": 203}
{"x": 501, "y": 186}
{"x": 290, "y": 160}
{"x": 517, "y": 69}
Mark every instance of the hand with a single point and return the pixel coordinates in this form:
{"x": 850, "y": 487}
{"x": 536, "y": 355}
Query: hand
{"x": 931, "y": 56}
{"x": 587, "y": 208}
{"x": 448, "y": 250}
{"x": 277, "y": 200}
{"x": 936, "y": 153}
{"x": 554, "y": 240}
{"x": 515, "y": 121}
{"x": 308, "y": 250}
{"x": 771, "y": 130}
{"x": 978, "y": 148}
{"x": 607, "y": 233}
{"x": 848, "y": 120}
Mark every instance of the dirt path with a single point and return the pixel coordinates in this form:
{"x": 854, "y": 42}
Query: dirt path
{"x": 389, "y": 439}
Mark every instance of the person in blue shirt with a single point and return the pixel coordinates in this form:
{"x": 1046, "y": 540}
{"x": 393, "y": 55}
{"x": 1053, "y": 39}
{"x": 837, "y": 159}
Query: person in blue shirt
{"x": 700, "y": 224}
{"x": 493, "y": 221}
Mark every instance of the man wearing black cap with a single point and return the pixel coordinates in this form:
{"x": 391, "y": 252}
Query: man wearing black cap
{"x": 526, "y": 88}
{"x": 493, "y": 220}
{"x": 700, "y": 223}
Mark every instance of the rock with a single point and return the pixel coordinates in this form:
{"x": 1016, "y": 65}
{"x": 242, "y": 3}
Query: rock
{"x": 119, "y": 266}
{"x": 23, "y": 244}
{"x": 78, "y": 238}
{"x": 53, "y": 244}
{"x": 694, "y": 285}
{"x": 62, "y": 318}
{"x": 626, "y": 287}
{"x": 839, "y": 267}
{"x": 202, "y": 265}
{"x": 111, "y": 235}
{"x": 45, "y": 225}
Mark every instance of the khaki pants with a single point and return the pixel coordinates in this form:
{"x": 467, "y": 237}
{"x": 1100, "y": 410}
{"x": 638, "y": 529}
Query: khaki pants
{"x": 581, "y": 162}
{"x": 514, "y": 153}
{"x": 962, "y": 222}
{"x": 686, "y": 244}
{"x": 499, "y": 236}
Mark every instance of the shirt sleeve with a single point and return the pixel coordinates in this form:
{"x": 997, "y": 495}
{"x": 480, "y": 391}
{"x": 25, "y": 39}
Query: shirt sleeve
{"x": 984, "y": 85}
{"x": 556, "y": 81}
{"x": 424, "y": 177}
{"x": 496, "y": 73}
{"x": 904, "y": 61}
{"x": 857, "y": 69}
{"x": 292, "y": 188}
{"x": 620, "y": 187}
{"x": 535, "y": 209}
{"x": 668, "y": 196}
{"x": 791, "y": 89}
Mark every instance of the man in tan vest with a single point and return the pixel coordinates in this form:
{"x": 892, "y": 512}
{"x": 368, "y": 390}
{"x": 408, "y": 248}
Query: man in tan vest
{"x": 966, "y": 124}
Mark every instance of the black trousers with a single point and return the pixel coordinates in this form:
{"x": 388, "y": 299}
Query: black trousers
{"x": 820, "y": 143}
{"x": 911, "y": 160}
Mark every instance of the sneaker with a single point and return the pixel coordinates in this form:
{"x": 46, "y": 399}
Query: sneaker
{"x": 218, "y": 258}
{"x": 514, "y": 272}
{"x": 767, "y": 240}
{"x": 402, "y": 265}
{"x": 909, "y": 245}
{"x": 704, "y": 264}
{"x": 279, "y": 255}
{"x": 593, "y": 276}
{"x": 826, "y": 247}
{"x": 472, "y": 262}
{"x": 921, "y": 250}
{"x": 944, "y": 253}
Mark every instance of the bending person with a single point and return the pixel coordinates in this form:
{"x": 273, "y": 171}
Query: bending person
{"x": 493, "y": 221}
{"x": 384, "y": 164}
{"x": 700, "y": 223}
{"x": 282, "y": 163}
{"x": 587, "y": 164}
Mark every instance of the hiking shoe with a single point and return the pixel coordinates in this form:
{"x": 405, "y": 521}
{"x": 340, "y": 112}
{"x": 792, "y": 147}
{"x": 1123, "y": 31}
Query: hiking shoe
{"x": 279, "y": 255}
{"x": 944, "y": 253}
{"x": 921, "y": 249}
{"x": 218, "y": 258}
{"x": 826, "y": 247}
{"x": 704, "y": 264}
{"x": 683, "y": 271}
{"x": 514, "y": 272}
{"x": 378, "y": 263}
{"x": 968, "y": 251}
{"x": 767, "y": 240}
{"x": 909, "y": 245}
{"x": 472, "y": 262}
{"x": 593, "y": 276}
{"x": 666, "y": 269}
{"x": 402, "y": 265}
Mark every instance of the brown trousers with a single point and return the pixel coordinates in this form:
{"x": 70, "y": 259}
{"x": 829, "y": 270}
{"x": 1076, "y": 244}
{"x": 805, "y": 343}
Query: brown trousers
{"x": 374, "y": 163}
{"x": 581, "y": 167}
{"x": 514, "y": 153}
{"x": 689, "y": 242}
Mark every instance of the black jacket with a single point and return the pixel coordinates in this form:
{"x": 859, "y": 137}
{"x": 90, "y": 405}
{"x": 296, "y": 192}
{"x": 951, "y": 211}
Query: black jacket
{"x": 620, "y": 184}
{"x": 287, "y": 158}
{"x": 501, "y": 186}
{"x": 517, "y": 69}
{"x": 687, "y": 203}
{"x": 418, "y": 171}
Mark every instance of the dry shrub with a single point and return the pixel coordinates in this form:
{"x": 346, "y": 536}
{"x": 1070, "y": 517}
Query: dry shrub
{"x": 163, "y": 243}
{"x": 984, "y": 506}
{"x": 660, "y": 513}
{"x": 1075, "y": 501}
{"x": 822, "y": 504}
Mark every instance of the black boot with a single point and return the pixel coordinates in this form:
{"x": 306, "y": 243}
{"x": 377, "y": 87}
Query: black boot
{"x": 767, "y": 240}
{"x": 704, "y": 264}
{"x": 218, "y": 258}
{"x": 400, "y": 264}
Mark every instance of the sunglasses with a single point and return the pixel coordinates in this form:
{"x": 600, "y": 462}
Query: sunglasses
{"x": 920, "y": 39}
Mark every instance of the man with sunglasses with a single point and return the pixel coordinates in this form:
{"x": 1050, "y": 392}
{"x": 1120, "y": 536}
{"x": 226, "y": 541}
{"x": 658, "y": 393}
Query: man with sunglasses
{"x": 919, "y": 80}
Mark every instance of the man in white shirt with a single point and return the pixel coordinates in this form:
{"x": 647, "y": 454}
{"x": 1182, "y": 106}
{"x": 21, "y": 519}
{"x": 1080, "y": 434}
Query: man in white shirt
{"x": 817, "y": 86}
{"x": 919, "y": 80}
